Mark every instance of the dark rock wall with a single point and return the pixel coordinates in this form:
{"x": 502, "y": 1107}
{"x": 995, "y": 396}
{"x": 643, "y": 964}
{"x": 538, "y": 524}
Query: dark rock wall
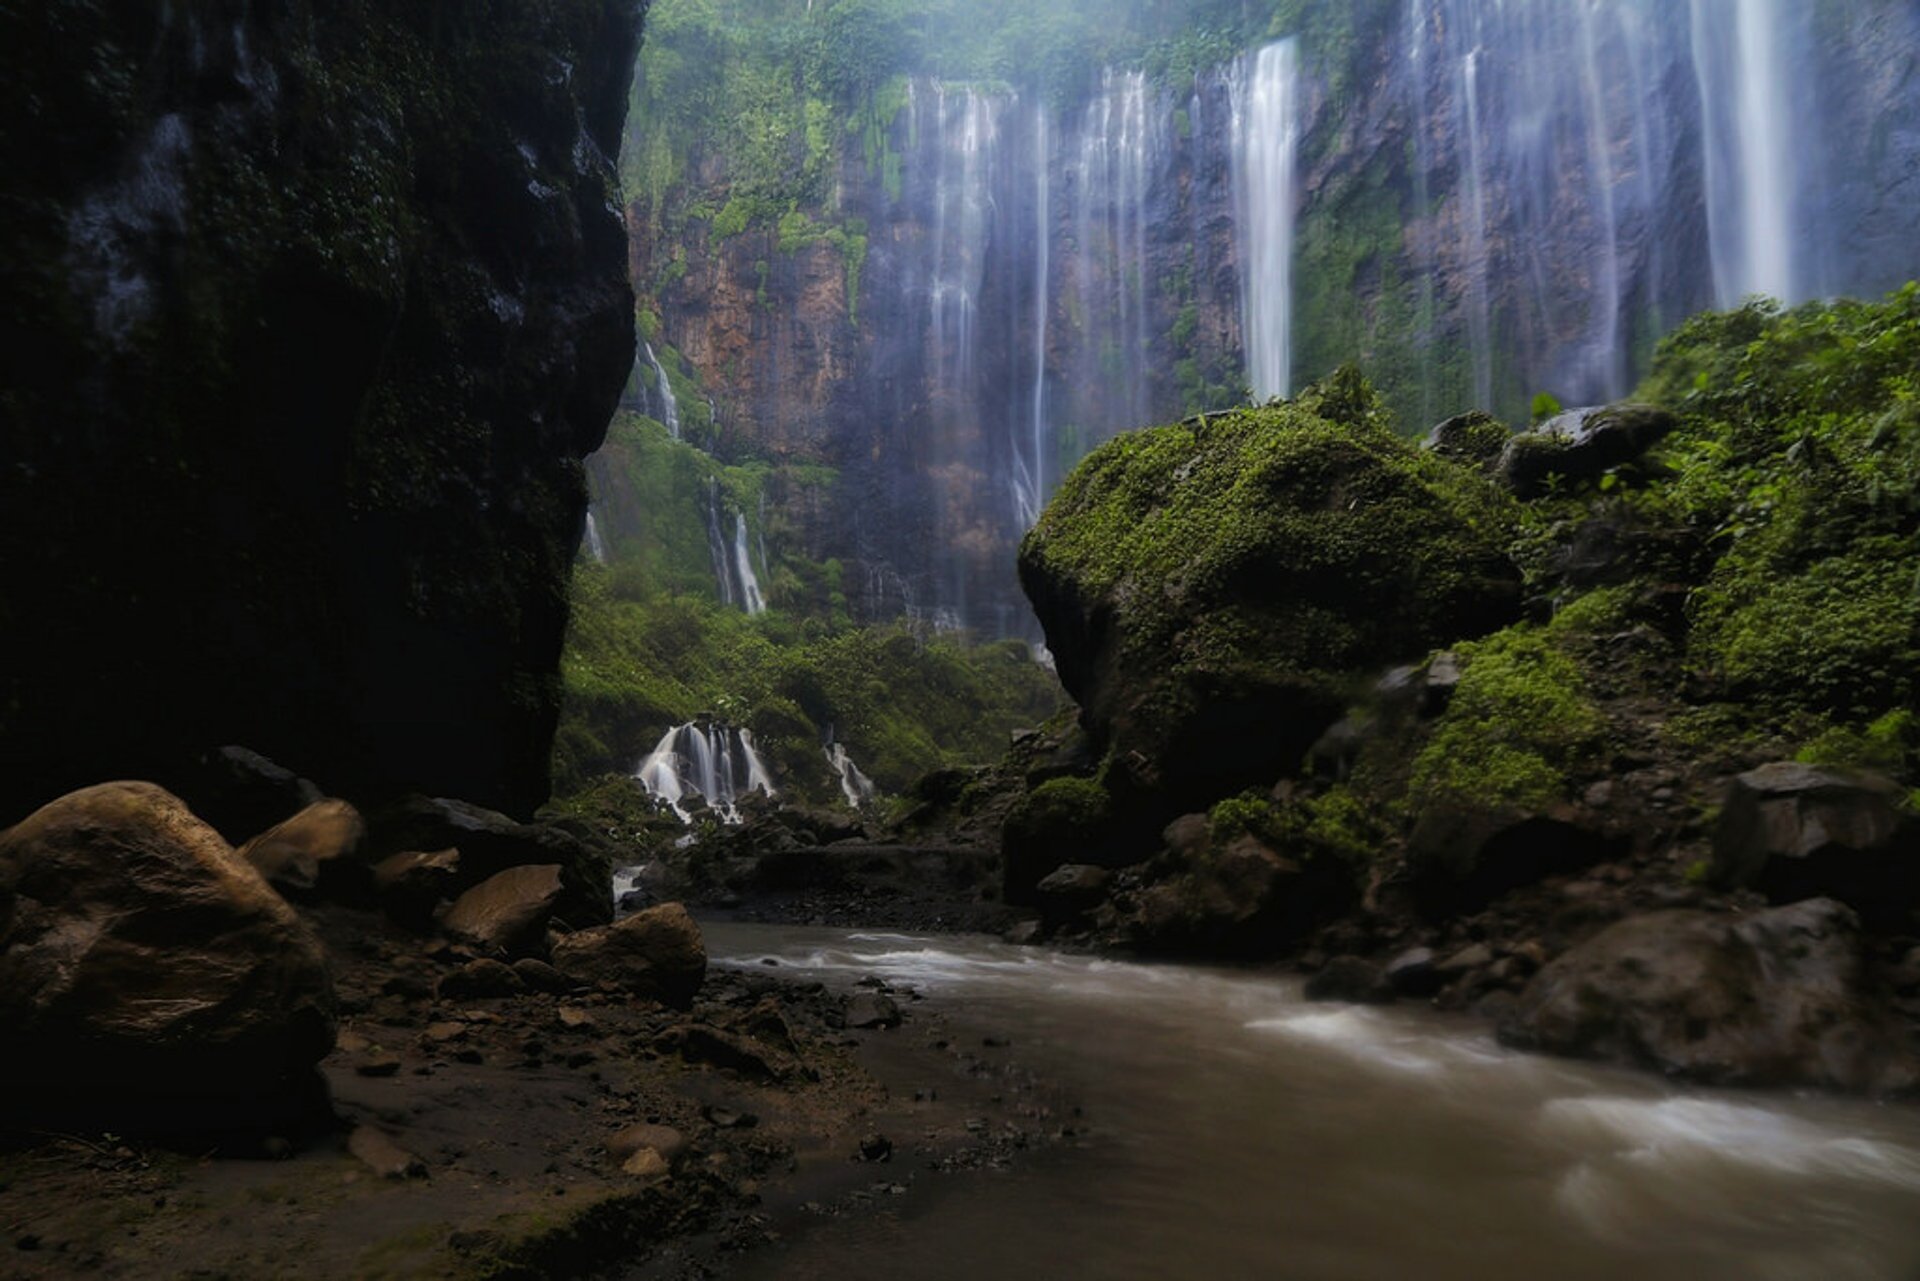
{"x": 312, "y": 311}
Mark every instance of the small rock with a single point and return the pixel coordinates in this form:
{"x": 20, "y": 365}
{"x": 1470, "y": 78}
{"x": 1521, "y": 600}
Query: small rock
{"x": 1475, "y": 956}
{"x": 382, "y": 1065}
{"x": 876, "y": 1147}
{"x": 1414, "y": 973}
{"x": 647, "y": 1165}
{"x": 481, "y": 979}
{"x": 642, "y": 1137}
{"x": 383, "y": 1156}
{"x": 1350, "y": 978}
{"x": 870, "y": 1009}
{"x": 541, "y": 977}
{"x": 574, "y": 1017}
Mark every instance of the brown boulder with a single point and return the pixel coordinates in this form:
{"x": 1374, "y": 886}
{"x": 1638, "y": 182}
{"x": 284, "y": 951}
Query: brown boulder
{"x": 1778, "y": 997}
{"x": 314, "y": 854}
{"x": 410, "y": 886}
{"x": 507, "y": 912}
{"x": 150, "y": 980}
{"x": 658, "y": 954}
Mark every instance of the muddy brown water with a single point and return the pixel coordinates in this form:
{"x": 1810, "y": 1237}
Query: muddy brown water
{"x": 1236, "y": 1130}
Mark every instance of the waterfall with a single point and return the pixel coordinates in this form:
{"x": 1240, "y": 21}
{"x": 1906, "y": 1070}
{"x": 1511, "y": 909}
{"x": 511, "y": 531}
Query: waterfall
{"x": 702, "y": 758}
{"x": 596, "y": 546}
{"x": 1029, "y": 457}
{"x": 669, "y": 404}
{"x": 717, "y": 548}
{"x": 855, "y": 786}
{"x": 751, "y": 598}
{"x": 1122, "y": 149}
{"x": 1746, "y": 109}
{"x": 1266, "y": 137}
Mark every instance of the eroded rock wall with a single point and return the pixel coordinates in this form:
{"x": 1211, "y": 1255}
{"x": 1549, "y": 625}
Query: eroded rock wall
{"x": 313, "y": 310}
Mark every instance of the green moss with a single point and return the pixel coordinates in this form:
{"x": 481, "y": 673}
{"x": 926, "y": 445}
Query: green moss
{"x": 1517, "y": 725}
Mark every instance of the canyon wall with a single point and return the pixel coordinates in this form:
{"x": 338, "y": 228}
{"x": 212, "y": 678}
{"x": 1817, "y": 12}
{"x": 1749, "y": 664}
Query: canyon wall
{"x": 314, "y": 310}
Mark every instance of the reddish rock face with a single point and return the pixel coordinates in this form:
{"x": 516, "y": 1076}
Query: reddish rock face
{"x": 150, "y": 979}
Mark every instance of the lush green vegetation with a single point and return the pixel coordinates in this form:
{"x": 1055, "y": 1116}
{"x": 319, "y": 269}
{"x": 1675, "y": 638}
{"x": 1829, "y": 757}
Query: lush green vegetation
{"x": 651, "y": 645}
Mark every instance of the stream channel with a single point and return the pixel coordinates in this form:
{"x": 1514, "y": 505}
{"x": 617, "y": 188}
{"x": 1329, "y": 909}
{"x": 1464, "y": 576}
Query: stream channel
{"x": 1233, "y": 1129}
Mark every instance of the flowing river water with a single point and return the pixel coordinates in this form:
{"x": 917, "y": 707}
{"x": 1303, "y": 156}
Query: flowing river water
{"x": 1236, "y": 1130}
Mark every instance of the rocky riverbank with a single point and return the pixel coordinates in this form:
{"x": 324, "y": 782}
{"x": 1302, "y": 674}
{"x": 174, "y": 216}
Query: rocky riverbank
{"x": 205, "y": 1077}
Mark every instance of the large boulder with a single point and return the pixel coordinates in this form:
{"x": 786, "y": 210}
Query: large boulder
{"x": 657, "y": 954}
{"x": 1794, "y": 831}
{"x": 1212, "y": 591}
{"x": 312, "y": 313}
{"x": 1773, "y": 998}
{"x": 314, "y": 854}
{"x": 509, "y": 912}
{"x": 150, "y": 980}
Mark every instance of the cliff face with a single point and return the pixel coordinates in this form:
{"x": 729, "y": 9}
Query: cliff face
{"x": 314, "y": 310}
{"x": 949, "y": 292}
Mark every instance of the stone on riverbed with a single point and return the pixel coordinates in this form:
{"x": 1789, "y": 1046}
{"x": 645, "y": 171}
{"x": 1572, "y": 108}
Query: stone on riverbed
{"x": 1772, "y": 998}
{"x": 658, "y": 954}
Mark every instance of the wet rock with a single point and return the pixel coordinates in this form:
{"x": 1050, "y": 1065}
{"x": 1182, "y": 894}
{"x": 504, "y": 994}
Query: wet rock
{"x": 1415, "y": 972}
{"x": 876, "y": 1148}
{"x": 1581, "y": 445}
{"x": 1772, "y": 998}
{"x": 871, "y": 1009}
{"x": 703, "y": 1043}
{"x": 383, "y": 1155}
{"x": 315, "y": 854}
{"x": 1350, "y": 978}
{"x": 1022, "y": 933}
{"x": 508, "y": 912}
{"x": 542, "y": 977}
{"x": 1070, "y": 891}
{"x": 647, "y": 1165}
{"x": 657, "y": 954}
{"x": 1245, "y": 899}
{"x": 150, "y": 980}
{"x": 1474, "y": 956}
{"x": 411, "y": 885}
{"x": 481, "y": 979}
{"x": 1794, "y": 831}
{"x": 241, "y": 793}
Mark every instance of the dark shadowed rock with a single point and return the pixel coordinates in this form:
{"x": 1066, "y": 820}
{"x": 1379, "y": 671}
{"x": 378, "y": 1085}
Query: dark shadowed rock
{"x": 410, "y": 886}
{"x": 482, "y": 979}
{"x": 657, "y": 954}
{"x": 1581, "y": 445}
{"x": 1414, "y": 973}
{"x": 1463, "y": 858}
{"x": 1793, "y": 831}
{"x": 1071, "y": 890}
{"x": 315, "y": 854}
{"x": 150, "y": 980}
{"x": 1350, "y": 978}
{"x": 241, "y": 793}
{"x": 356, "y": 277}
{"x": 490, "y": 842}
{"x": 872, "y": 1009}
{"x": 507, "y": 913}
{"x": 1774, "y": 998}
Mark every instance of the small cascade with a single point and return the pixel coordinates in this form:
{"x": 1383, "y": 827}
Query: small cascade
{"x": 855, "y": 786}
{"x": 1746, "y": 110}
{"x": 751, "y": 598}
{"x": 1266, "y": 135}
{"x": 717, "y": 548}
{"x": 704, "y": 758}
{"x": 596, "y": 545}
{"x": 1123, "y": 147}
{"x": 669, "y": 404}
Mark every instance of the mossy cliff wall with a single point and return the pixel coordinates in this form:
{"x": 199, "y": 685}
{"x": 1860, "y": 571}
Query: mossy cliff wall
{"x": 313, "y": 310}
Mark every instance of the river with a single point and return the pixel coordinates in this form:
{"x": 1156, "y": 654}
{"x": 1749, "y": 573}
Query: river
{"x": 1236, "y": 1130}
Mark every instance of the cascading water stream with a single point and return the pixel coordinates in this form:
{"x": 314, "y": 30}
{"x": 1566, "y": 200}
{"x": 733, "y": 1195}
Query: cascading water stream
{"x": 854, "y": 785}
{"x": 751, "y": 598}
{"x": 669, "y": 404}
{"x": 1266, "y": 134}
{"x": 718, "y": 763}
{"x": 596, "y": 545}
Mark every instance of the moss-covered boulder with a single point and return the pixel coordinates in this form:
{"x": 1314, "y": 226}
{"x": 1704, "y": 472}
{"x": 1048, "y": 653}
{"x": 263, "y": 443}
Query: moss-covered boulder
{"x": 1213, "y": 591}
